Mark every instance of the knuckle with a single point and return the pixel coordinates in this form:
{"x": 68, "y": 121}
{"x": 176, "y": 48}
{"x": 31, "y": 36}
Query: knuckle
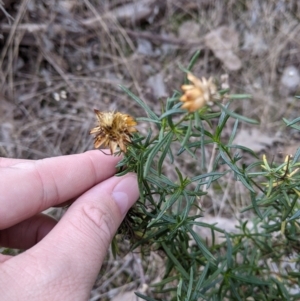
{"x": 98, "y": 220}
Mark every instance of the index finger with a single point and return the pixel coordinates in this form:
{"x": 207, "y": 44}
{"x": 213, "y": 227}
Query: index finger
{"x": 30, "y": 187}
{"x": 5, "y": 162}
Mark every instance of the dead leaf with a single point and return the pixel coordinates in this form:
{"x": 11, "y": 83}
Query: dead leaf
{"x": 135, "y": 11}
{"x": 223, "y": 41}
{"x": 126, "y": 296}
{"x": 189, "y": 30}
{"x": 255, "y": 139}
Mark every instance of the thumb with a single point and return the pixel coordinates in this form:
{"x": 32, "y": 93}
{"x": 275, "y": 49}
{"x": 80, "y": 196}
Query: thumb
{"x": 72, "y": 253}
{"x": 94, "y": 218}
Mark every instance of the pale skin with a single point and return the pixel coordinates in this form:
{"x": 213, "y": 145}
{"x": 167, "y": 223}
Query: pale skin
{"x": 62, "y": 259}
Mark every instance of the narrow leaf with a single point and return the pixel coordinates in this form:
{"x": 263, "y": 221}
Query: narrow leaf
{"x": 190, "y": 287}
{"x": 249, "y": 279}
{"x": 164, "y": 153}
{"x": 141, "y": 103}
{"x": 153, "y": 153}
{"x": 233, "y": 132}
{"x": 171, "y": 112}
{"x": 244, "y": 148}
{"x": 148, "y": 120}
{"x": 175, "y": 261}
{"x": 193, "y": 60}
{"x": 289, "y": 123}
{"x": 296, "y": 156}
{"x": 243, "y": 179}
{"x": 237, "y": 116}
{"x": 201, "y": 246}
{"x": 229, "y": 252}
{"x": 202, "y": 277}
{"x": 240, "y": 96}
{"x": 234, "y": 291}
{"x": 144, "y": 297}
{"x": 254, "y": 203}
{"x": 295, "y": 216}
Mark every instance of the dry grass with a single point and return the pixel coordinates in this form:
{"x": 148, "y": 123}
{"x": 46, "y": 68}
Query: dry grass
{"x": 61, "y": 59}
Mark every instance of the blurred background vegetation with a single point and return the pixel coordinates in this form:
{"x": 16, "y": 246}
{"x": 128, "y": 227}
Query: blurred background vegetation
{"x": 61, "y": 59}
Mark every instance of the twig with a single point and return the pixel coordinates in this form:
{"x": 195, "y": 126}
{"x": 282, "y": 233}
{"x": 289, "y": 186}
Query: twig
{"x": 138, "y": 261}
{"x": 209, "y": 170}
{"x": 164, "y": 39}
{"x": 94, "y": 22}
{"x": 12, "y": 31}
{"x": 104, "y": 25}
{"x": 58, "y": 69}
{"x": 120, "y": 270}
{"x": 7, "y": 15}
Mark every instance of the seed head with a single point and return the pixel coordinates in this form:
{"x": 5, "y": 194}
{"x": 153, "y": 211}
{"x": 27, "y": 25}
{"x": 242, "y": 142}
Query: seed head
{"x": 114, "y": 130}
{"x": 197, "y": 94}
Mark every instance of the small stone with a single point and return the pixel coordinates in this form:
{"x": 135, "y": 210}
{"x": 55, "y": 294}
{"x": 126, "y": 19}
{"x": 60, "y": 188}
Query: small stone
{"x": 157, "y": 85}
{"x": 290, "y": 78}
{"x": 254, "y": 43}
{"x": 144, "y": 47}
{"x": 56, "y": 96}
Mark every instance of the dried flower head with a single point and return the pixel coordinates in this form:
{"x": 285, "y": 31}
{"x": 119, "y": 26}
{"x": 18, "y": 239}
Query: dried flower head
{"x": 197, "y": 94}
{"x": 114, "y": 130}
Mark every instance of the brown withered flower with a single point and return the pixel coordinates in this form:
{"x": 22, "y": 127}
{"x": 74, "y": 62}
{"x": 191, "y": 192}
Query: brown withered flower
{"x": 114, "y": 130}
{"x": 197, "y": 94}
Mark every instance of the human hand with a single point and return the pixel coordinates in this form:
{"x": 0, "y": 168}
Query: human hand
{"x": 62, "y": 259}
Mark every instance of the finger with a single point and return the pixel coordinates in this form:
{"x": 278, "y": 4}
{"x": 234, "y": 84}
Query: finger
{"x": 27, "y": 233}
{"x": 3, "y": 258}
{"x": 5, "y": 162}
{"x": 28, "y": 188}
{"x": 72, "y": 253}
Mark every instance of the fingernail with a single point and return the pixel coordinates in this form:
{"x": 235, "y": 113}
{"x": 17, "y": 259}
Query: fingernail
{"x": 126, "y": 193}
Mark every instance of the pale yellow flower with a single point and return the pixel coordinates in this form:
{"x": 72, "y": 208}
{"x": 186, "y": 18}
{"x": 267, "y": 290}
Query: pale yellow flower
{"x": 197, "y": 94}
{"x": 114, "y": 130}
